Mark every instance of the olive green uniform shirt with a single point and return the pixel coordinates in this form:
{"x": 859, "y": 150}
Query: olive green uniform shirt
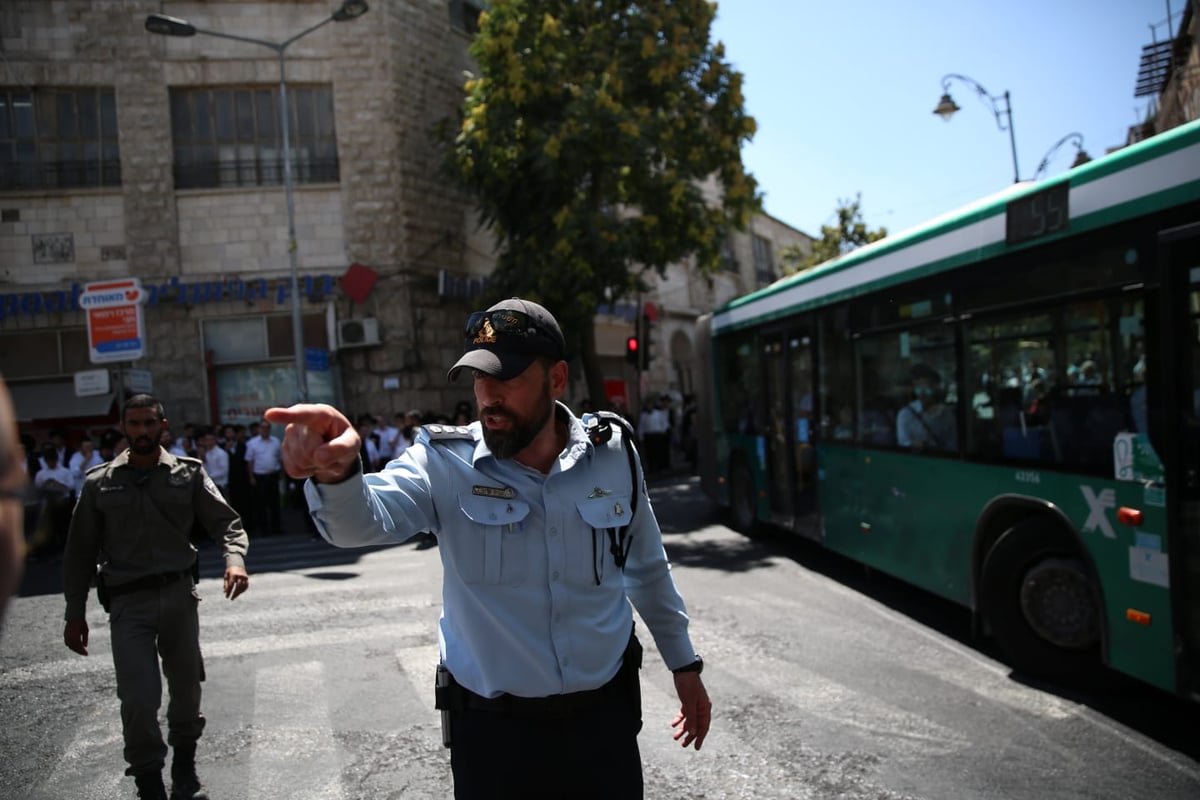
{"x": 136, "y": 523}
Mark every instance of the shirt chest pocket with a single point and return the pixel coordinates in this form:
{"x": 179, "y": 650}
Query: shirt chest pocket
{"x": 494, "y": 547}
{"x": 590, "y": 555}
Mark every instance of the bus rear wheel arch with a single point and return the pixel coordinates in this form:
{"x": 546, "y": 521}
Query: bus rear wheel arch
{"x": 1040, "y": 601}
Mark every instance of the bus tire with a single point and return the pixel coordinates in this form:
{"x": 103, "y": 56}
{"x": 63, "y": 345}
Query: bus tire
{"x": 742, "y": 498}
{"x": 1039, "y": 602}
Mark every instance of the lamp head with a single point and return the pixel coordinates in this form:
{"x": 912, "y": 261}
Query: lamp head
{"x": 169, "y": 26}
{"x": 350, "y": 9}
{"x": 1081, "y": 158}
{"x": 946, "y": 107}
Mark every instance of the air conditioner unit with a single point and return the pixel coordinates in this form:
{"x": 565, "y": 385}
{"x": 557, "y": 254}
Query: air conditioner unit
{"x": 357, "y": 332}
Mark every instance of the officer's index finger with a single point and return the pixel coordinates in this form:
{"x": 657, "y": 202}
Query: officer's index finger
{"x": 313, "y": 415}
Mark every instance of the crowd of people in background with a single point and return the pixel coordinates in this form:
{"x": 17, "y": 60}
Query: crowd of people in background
{"x": 244, "y": 461}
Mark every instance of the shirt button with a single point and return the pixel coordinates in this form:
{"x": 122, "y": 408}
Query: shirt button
{"x": 566, "y": 662}
{"x": 554, "y": 531}
{"x": 554, "y": 576}
{"x": 557, "y": 618}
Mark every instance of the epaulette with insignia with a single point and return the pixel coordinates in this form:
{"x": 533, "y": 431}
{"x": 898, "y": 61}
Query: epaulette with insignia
{"x": 438, "y": 432}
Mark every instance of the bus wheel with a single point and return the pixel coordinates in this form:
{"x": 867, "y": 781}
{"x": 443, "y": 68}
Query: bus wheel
{"x": 742, "y": 500}
{"x": 1039, "y": 602}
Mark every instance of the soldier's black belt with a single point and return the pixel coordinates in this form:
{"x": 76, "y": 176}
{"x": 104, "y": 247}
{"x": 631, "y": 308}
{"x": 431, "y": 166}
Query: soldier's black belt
{"x": 147, "y": 582}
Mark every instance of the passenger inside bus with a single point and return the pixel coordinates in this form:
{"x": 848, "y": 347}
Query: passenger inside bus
{"x": 927, "y": 422}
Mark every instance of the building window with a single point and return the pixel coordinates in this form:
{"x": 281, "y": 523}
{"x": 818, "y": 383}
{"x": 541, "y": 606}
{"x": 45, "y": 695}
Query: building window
{"x": 464, "y": 15}
{"x": 764, "y": 267}
{"x": 729, "y": 261}
{"x": 43, "y": 353}
{"x": 58, "y": 138}
{"x": 261, "y": 338}
{"x": 231, "y": 137}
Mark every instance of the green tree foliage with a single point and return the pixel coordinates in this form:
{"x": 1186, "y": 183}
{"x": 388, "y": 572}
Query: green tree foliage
{"x": 848, "y": 234}
{"x": 601, "y": 139}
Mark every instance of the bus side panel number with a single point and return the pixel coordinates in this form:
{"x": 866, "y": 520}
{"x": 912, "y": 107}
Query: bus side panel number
{"x": 1038, "y": 214}
{"x": 1028, "y": 476}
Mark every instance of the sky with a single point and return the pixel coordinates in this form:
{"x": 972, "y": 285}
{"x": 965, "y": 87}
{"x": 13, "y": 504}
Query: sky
{"x": 843, "y": 96}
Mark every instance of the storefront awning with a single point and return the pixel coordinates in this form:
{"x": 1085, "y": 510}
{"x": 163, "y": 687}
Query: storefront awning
{"x": 56, "y": 400}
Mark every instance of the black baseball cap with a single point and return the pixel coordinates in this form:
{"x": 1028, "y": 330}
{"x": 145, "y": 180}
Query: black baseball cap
{"x": 504, "y": 340}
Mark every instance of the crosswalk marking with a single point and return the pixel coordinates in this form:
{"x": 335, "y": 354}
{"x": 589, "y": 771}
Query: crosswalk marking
{"x": 100, "y": 661}
{"x": 962, "y": 670}
{"x": 93, "y": 755}
{"x": 418, "y": 665}
{"x": 293, "y": 750}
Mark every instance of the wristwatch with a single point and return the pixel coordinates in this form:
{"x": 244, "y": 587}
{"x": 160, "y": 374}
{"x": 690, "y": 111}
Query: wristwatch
{"x": 696, "y": 666}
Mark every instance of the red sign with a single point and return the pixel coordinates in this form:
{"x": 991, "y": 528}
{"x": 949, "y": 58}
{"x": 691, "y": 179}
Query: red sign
{"x": 114, "y": 318}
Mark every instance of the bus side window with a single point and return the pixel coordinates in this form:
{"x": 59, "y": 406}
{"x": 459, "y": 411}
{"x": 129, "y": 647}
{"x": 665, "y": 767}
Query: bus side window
{"x": 878, "y": 422}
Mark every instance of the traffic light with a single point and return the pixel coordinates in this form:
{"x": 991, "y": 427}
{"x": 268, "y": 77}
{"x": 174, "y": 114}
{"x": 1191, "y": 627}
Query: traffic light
{"x": 633, "y": 351}
{"x": 646, "y": 334}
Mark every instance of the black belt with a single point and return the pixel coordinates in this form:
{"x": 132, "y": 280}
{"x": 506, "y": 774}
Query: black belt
{"x": 147, "y": 582}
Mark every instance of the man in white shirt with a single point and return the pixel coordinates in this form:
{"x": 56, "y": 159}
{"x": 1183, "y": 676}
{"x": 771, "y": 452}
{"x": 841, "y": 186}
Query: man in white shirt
{"x": 172, "y": 445}
{"x": 58, "y": 444}
{"x": 54, "y": 485}
{"x": 216, "y": 462}
{"x": 82, "y": 460}
{"x": 262, "y": 466}
{"x": 388, "y": 434}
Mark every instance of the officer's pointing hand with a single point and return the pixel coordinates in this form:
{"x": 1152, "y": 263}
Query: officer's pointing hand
{"x": 319, "y": 442}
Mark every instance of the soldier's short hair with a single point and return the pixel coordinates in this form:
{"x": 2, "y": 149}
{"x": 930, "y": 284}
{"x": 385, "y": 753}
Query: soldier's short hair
{"x": 144, "y": 401}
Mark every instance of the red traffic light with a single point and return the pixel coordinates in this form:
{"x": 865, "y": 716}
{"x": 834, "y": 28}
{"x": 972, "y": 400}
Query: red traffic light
{"x": 632, "y": 351}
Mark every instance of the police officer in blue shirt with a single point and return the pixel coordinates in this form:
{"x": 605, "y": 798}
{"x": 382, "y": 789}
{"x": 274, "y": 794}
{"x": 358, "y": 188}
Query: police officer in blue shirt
{"x": 546, "y": 537}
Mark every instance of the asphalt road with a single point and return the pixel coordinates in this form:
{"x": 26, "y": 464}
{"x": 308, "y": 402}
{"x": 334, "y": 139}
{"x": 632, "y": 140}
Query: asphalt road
{"x": 828, "y": 682}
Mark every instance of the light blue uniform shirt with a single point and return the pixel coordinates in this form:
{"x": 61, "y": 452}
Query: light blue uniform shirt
{"x": 521, "y": 610}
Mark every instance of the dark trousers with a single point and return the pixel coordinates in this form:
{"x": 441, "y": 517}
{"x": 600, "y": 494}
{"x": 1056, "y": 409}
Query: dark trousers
{"x": 265, "y": 505}
{"x": 147, "y": 626}
{"x": 587, "y": 754}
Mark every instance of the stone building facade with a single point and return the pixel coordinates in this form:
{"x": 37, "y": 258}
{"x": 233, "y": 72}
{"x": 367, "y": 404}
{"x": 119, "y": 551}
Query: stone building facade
{"x": 131, "y": 154}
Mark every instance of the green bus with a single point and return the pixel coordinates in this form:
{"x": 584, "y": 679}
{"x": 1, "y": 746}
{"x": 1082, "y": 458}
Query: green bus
{"x": 1000, "y": 406}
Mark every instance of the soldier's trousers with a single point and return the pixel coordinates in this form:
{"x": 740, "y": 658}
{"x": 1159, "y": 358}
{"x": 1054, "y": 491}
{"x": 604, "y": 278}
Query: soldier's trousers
{"x": 147, "y": 625}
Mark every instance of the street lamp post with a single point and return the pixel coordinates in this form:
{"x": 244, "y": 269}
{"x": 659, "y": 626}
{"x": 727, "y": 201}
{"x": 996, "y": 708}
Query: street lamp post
{"x": 1081, "y": 156}
{"x": 348, "y": 10}
{"x": 946, "y": 108}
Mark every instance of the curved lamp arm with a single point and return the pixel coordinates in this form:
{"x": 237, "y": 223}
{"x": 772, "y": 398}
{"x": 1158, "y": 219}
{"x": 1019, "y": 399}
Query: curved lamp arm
{"x": 946, "y": 108}
{"x": 1081, "y": 156}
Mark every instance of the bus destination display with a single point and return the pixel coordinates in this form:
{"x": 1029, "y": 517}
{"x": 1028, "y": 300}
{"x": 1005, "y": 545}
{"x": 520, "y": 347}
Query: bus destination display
{"x": 1038, "y": 214}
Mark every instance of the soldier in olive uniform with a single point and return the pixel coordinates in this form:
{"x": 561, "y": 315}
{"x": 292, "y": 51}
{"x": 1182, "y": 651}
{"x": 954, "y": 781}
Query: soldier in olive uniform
{"x": 134, "y": 518}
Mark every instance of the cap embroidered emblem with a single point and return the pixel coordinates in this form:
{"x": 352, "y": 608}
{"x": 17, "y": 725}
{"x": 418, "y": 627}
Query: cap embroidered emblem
{"x": 486, "y": 335}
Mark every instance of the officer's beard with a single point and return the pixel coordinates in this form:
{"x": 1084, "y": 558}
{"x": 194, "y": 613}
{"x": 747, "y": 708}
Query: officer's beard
{"x": 522, "y": 430}
{"x": 143, "y": 445}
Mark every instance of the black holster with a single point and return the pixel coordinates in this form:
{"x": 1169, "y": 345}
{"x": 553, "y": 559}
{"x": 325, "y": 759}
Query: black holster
{"x": 102, "y": 593}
